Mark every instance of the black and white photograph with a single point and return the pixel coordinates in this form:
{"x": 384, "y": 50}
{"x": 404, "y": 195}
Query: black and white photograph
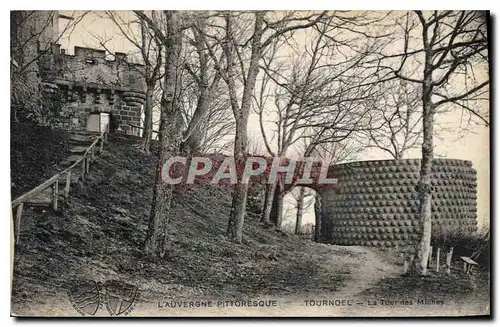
{"x": 250, "y": 163}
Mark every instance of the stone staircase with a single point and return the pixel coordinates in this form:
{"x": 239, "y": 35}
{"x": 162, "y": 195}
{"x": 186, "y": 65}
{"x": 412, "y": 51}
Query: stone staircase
{"x": 79, "y": 142}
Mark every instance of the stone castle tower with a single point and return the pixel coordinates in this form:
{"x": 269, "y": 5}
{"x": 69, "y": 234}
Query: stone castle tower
{"x": 88, "y": 82}
{"x": 80, "y": 84}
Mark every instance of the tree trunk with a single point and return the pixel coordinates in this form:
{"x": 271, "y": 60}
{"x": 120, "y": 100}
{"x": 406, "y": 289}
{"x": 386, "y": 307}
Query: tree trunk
{"x": 424, "y": 185}
{"x": 279, "y": 210}
{"x": 268, "y": 203}
{"x": 240, "y": 190}
{"x": 300, "y": 208}
{"x": 449, "y": 256}
{"x": 170, "y": 136}
{"x": 429, "y": 262}
{"x": 277, "y": 207}
{"x": 438, "y": 258}
{"x": 238, "y": 207}
{"x": 148, "y": 119}
{"x": 194, "y": 133}
{"x": 317, "y": 213}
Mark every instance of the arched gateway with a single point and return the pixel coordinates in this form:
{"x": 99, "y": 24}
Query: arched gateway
{"x": 370, "y": 203}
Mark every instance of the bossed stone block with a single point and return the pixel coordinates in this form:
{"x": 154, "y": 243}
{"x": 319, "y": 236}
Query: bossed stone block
{"x": 381, "y": 195}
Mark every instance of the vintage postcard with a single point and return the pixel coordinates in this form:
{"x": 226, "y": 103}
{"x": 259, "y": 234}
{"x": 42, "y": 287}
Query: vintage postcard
{"x": 250, "y": 163}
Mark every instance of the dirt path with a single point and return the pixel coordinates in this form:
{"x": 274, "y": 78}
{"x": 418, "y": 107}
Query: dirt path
{"x": 371, "y": 269}
{"x": 366, "y": 268}
{"x": 363, "y": 266}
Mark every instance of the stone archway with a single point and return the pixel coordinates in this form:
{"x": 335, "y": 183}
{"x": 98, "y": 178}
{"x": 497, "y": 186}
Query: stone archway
{"x": 375, "y": 203}
{"x": 298, "y": 211}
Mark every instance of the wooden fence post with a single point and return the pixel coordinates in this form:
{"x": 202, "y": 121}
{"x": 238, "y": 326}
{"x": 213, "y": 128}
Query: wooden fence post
{"x": 438, "y": 253}
{"x": 55, "y": 194}
{"x": 101, "y": 144}
{"x": 17, "y": 225}
{"x": 449, "y": 255}
{"x": 83, "y": 168}
{"x": 87, "y": 164}
{"x": 68, "y": 184}
{"x": 430, "y": 258}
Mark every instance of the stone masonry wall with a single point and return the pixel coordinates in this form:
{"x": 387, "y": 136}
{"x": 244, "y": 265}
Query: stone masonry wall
{"x": 376, "y": 203}
{"x": 89, "y": 82}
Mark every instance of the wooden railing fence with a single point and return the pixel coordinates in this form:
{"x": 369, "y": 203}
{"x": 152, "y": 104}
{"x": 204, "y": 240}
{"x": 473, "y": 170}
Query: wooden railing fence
{"x": 18, "y": 204}
{"x": 134, "y": 130}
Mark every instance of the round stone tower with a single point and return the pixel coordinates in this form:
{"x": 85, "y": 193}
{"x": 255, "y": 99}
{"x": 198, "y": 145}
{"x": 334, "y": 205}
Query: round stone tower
{"x": 376, "y": 202}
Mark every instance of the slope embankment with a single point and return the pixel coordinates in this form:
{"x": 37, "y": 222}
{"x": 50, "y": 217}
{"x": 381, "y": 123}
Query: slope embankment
{"x": 98, "y": 235}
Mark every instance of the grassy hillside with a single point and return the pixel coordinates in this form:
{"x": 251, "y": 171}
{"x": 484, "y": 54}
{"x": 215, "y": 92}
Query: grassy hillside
{"x": 100, "y": 233}
{"x": 35, "y": 153}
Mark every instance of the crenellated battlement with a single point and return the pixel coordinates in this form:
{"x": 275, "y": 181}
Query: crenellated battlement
{"x": 94, "y": 66}
{"x": 90, "y": 81}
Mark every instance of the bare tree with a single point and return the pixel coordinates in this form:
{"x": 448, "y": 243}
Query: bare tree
{"x": 214, "y": 128}
{"x": 397, "y": 113}
{"x": 206, "y": 78}
{"x": 170, "y": 129}
{"x": 452, "y": 48}
{"x": 242, "y": 52}
{"x": 315, "y": 96}
{"x": 300, "y": 209}
{"x": 203, "y": 102}
{"x": 304, "y": 199}
{"x": 32, "y": 44}
{"x": 150, "y": 49}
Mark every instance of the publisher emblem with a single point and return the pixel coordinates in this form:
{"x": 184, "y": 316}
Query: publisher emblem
{"x": 120, "y": 297}
{"x": 85, "y": 297}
